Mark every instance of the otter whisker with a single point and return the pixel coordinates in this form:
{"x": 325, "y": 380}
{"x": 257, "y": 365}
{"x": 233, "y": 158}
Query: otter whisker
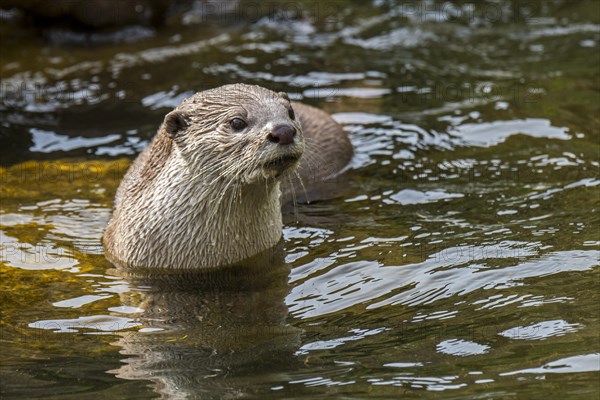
{"x": 293, "y": 198}
{"x": 297, "y": 173}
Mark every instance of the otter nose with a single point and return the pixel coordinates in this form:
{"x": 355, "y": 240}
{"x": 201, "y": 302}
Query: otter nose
{"x": 282, "y": 134}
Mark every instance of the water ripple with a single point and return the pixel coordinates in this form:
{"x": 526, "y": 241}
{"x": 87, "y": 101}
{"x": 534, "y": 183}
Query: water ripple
{"x": 426, "y": 282}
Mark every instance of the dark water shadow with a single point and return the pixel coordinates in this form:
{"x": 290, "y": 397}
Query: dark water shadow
{"x": 208, "y": 335}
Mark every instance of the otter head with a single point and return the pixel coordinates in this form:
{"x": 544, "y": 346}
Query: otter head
{"x": 238, "y": 132}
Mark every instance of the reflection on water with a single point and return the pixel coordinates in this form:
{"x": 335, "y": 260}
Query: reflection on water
{"x": 491, "y": 133}
{"x": 205, "y": 334}
{"x": 458, "y": 256}
{"x": 582, "y": 363}
{"x": 541, "y": 330}
{"x": 428, "y": 281}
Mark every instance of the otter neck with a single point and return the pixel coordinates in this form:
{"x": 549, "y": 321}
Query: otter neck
{"x": 213, "y": 224}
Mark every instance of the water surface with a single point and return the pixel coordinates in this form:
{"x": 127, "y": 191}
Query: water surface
{"x": 459, "y": 259}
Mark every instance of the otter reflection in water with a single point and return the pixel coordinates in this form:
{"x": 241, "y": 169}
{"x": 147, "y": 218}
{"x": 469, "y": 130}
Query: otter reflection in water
{"x": 212, "y": 331}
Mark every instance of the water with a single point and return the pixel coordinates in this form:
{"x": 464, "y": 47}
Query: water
{"x": 459, "y": 259}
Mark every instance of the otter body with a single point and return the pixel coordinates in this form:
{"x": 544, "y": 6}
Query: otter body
{"x": 207, "y": 192}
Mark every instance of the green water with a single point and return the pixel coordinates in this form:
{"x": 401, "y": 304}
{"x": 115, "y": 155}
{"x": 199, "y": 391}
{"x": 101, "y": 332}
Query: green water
{"x": 458, "y": 259}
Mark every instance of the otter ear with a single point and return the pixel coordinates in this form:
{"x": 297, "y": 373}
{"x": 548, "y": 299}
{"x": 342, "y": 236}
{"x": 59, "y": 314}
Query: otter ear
{"x": 284, "y": 95}
{"x": 175, "y": 123}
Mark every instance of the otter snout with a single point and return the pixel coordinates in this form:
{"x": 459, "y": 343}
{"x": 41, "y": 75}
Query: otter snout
{"x": 282, "y": 134}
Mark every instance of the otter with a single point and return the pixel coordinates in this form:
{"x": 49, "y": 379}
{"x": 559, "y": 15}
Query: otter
{"x": 206, "y": 192}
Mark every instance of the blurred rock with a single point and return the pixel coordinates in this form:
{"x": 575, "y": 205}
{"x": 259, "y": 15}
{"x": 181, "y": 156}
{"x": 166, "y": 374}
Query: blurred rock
{"x": 92, "y": 13}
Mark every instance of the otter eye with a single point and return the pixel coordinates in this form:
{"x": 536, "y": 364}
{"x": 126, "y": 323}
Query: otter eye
{"x": 237, "y": 124}
{"x": 291, "y": 113}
